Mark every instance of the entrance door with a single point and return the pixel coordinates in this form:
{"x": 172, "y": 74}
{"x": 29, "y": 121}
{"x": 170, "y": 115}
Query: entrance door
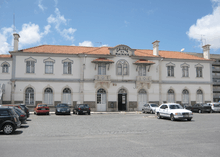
{"x": 142, "y": 99}
{"x": 101, "y": 100}
{"x": 122, "y": 101}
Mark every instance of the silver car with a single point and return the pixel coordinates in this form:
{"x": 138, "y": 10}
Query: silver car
{"x": 149, "y": 108}
{"x": 215, "y": 107}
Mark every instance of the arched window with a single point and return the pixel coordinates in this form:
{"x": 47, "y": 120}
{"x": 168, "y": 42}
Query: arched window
{"x": 5, "y": 68}
{"x": 171, "y": 98}
{"x": 66, "y": 96}
{"x": 48, "y": 96}
{"x": 122, "y": 67}
{"x": 185, "y": 96}
{"x": 29, "y": 96}
{"x": 142, "y": 99}
{"x": 199, "y": 96}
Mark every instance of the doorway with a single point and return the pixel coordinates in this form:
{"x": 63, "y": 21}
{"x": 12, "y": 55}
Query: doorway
{"x": 122, "y": 100}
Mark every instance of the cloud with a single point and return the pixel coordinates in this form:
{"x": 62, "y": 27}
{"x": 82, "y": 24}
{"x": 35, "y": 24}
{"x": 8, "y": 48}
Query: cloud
{"x": 208, "y": 27}
{"x": 56, "y": 2}
{"x": 58, "y": 20}
{"x": 86, "y": 43}
{"x": 5, "y": 34}
{"x": 41, "y": 5}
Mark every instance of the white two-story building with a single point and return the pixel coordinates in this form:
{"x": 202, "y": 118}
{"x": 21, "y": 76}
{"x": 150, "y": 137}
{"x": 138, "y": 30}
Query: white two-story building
{"x": 107, "y": 78}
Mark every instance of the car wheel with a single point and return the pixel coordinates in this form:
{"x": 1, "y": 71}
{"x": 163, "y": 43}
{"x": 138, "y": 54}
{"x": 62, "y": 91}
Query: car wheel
{"x": 88, "y": 113}
{"x": 189, "y": 119}
{"x": 172, "y": 117}
{"x": 8, "y": 129}
{"x": 73, "y": 112}
{"x": 151, "y": 112}
{"x": 200, "y": 111}
{"x": 158, "y": 116}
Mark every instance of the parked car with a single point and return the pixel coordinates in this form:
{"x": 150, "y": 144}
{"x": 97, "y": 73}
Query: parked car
{"x": 215, "y": 107}
{"x": 21, "y": 114}
{"x": 62, "y": 109}
{"x": 81, "y": 109}
{"x": 25, "y": 109}
{"x": 201, "y": 107}
{"x": 149, "y": 108}
{"x": 9, "y": 120}
{"x": 173, "y": 111}
{"x": 42, "y": 109}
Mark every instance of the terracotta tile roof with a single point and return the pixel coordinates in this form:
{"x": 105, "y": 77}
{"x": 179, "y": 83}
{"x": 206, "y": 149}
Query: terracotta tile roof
{"x": 143, "y": 61}
{"x": 5, "y": 56}
{"x": 102, "y": 60}
{"x": 59, "y": 49}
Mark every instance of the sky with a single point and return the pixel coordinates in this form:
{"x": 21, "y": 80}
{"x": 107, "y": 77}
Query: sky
{"x": 184, "y": 25}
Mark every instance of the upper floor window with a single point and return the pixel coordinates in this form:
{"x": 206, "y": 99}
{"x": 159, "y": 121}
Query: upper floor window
{"x": 30, "y": 65}
{"x": 142, "y": 70}
{"x": 170, "y": 69}
{"x": 5, "y": 68}
{"x": 101, "y": 69}
{"x": 199, "y": 68}
{"x": 67, "y": 66}
{"x": 49, "y": 65}
{"x": 198, "y": 71}
{"x": 122, "y": 67}
{"x": 185, "y": 71}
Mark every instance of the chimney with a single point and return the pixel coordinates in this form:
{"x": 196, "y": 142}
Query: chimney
{"x": 156, "y": 48}
{"x": 16, "y": 40}
{"x": 206, "y": 51}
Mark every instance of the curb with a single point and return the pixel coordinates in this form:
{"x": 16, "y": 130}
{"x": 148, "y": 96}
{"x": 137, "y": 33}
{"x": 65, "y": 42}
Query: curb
{"x": 122, "y": 112}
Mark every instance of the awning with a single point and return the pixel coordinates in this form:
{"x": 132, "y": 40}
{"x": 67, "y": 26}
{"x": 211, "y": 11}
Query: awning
{"x": 143, "y": 61}
{"x": 102, "y": 60}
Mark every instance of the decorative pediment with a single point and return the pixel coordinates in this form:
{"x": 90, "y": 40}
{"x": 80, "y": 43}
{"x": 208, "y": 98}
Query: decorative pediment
{"x": 184, "y": 65}
{"x": 5, "y": 63}
{"x": 121, "y": 50}
{"x": 143, "y": 81}
{"x": 102, "y": 81}
{"x": 30, "y": 59}
{"x": 49, "y": 60}
{"x": 170, "y": 64}
{"x": 67, "y": 60}
{"x": 198, "y": 65}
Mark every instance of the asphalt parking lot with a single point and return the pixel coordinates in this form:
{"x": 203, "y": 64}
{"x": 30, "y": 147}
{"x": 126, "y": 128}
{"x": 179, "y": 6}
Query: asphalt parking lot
{"x": 114, "y": 135}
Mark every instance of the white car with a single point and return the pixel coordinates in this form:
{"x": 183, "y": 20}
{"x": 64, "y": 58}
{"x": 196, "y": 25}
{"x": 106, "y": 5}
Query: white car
{"x": 173, "y": 111}
{"x": 215, "y": 107}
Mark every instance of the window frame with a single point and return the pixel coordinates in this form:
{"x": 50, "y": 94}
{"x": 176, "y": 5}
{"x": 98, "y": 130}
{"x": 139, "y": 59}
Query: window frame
{"x": 47, "y": 66}
{"x": 101, "y": 68}
{"x": 123, "y": 65}
{"x": 67, "y": 68}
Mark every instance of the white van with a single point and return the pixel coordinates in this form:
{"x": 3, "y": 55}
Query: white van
{"x": 215, "y": 106}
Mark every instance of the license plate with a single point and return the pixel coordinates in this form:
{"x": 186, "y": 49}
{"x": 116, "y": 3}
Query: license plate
{"x": 43, "y": 109}
{"x": 84, "y": 111}
{"x": 63, "y": 111}
{"x": 186, "y": 116}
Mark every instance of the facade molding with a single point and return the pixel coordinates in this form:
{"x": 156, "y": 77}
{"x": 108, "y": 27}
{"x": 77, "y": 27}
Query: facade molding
{"x": 30, "y": 59}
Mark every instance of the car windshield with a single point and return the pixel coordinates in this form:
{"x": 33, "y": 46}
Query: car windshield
{"x": 43, "y": 105}
{"x": 216, "y": 105}
{"x": 154, "y": 105}
{"x": 204, "y": 105}
{"x": 62, "y": 105}
{"x": 175, "y": 107}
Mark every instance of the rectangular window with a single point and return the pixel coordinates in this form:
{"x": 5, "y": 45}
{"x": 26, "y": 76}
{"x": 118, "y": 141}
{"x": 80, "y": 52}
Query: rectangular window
{"x": 30, "y": 66}
{"x": 125, "y": 69}
{"x": 67, "y": 68}
{"x": 198, "y": 71}
{"x": 49, "y": 67}
{"x": 142, "y": 71}
{"x": 185, "y": 71}
{"x": 170, "y": 71}
{"x": 102, "y": 69}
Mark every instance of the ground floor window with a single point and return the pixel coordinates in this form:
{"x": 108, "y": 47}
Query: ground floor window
{"x": 48, "y": 96}
{"x": 66, "y": 96}
{"x": 29, "y": 96}
{"x": 185, "y": 96}
{"x": 199, "y": 96}
{"x": 171, "y": 98}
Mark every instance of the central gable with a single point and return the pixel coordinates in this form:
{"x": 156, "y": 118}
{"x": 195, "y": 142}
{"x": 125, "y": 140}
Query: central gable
{"x": 122, "y": 50}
